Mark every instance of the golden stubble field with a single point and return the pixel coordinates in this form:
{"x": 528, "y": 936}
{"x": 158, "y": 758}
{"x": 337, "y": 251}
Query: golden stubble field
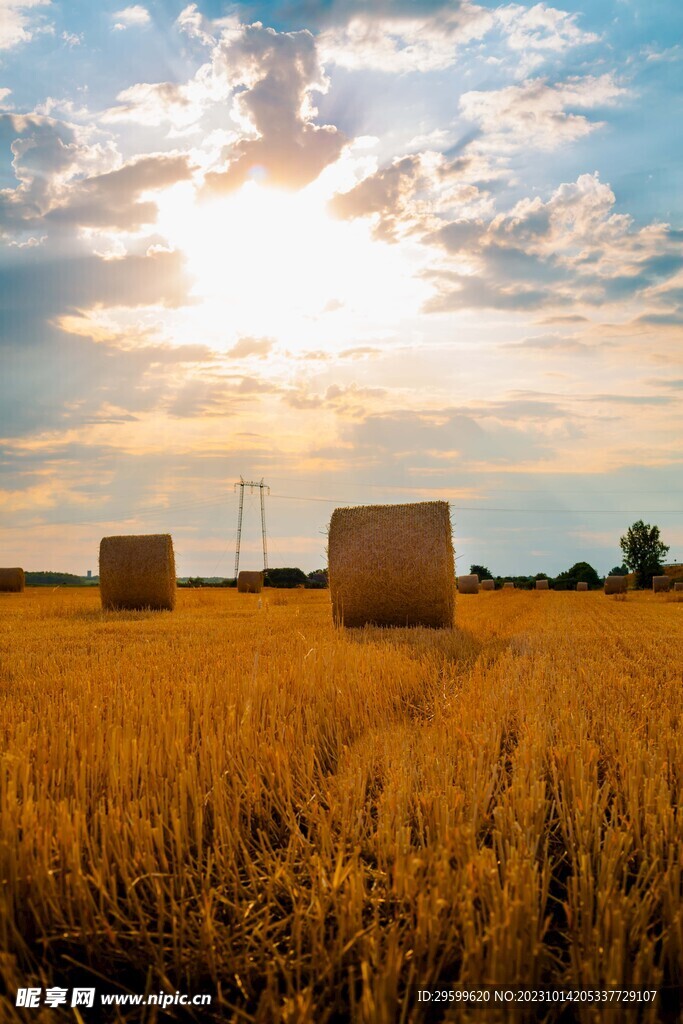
{"x": 314, "y": 824}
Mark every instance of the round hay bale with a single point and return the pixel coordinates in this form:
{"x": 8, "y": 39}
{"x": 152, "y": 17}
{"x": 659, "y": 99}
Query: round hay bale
{"x": 542, "y": 585}
{"x": 468, "y": 584}
{"x": 249, "y": 582}
{"x": 661, "y": 584}
{"x": 615, "y": 584}
{"x": 488, "y": 584}
{"x": 138, "y": 572}
{"x": 392, "y": 565}
{"x": 582, "y": 586}
{"x": 678, "y": 585}
{"x": 508, "y": 586}
{"x": 12, "y": 581}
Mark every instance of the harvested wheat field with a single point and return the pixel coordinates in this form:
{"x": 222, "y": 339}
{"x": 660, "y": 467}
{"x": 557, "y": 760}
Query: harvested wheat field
{"x": 313, "y": 823}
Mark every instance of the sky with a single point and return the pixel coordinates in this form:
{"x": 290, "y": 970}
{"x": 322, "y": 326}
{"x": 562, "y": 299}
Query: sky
{"x": 365, "y": 252}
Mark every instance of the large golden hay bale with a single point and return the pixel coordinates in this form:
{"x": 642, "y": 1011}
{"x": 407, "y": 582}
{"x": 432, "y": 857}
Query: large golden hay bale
{"x": 542, "y": 585}
{"x": 582, "y": 586}
{"x": 12, "y": 580}
{"x": 138, "y": 572}
{"x": 508, "y": 586}
{"x": 468, "y": 584}
{"x": 392, "y": 565}
{"x": 488, "y": 584}
{"x": 678, "y": 585}
{"x": 249, "y": 582}
{"x": 661, "y": 584}
{"x": 615, "y": 584}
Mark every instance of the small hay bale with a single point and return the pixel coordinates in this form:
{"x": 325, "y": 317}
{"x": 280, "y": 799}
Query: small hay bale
{"x": 392, "y": 565}
{"x": 542, "y": 585}
{"x": 249, "y": 582}
{"x": 582, "y": 586}
{"x": 468, "y": 584}
{"x": 488, "y": 584}
{"x": 12, "y": 581}
{"x": 678, "y": 585}
{"x": 138, "y": 572}
{"x": 615, "y": 584}
{"x": 661, "y": 584}
{"x": 508, "y": 586}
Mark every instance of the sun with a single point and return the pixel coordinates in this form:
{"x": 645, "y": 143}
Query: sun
{"x": 267, "y": 261}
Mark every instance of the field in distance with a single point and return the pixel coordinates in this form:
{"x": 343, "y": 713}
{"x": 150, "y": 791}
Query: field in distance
{"x": 313, "y": 824}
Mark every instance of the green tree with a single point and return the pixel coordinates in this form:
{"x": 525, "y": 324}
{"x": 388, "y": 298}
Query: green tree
{"x": 643, "y": 552}
{"x": 580, "y": 572}
{"x": 285, "y": 577}
{"x": 482, "y": 572}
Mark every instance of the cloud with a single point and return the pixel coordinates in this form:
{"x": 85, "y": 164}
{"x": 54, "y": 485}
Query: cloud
{"x": 571, "y": 248}
{"x": 533, "y": 32}
{"x": 538, "y": 113}
{"x": 153, "y": 103}
{"x": 274, "y": 75}
{"x": 112, "y": 200}
{"x": 552, "y": 343}
{"x": 47, "y": 154}
{"x": 246, "y": 347}
{"x": 17, "y": 25}
{"x": 38, "y": 288}
{"x": 394, "y": 40}
{"x": 412, "y": 189}
{"x": 135, "y": 16}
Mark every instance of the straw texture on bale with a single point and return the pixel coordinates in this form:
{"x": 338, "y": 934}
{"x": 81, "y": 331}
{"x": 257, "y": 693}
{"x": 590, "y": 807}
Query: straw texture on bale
{"x": 660, "y": 584}
{"x": 508, "y": 586}
{"x": 138, "y": 572}
{"x": 678, "y": 585}
{"x": 615, "y": 584}
{"x": 468, "y": 584}
{"x": 12, "y": 580}
{"x": 542, "y": 585}
{"x": 392, "y": 565}
{"x": 582, "y": 586}
{"x": 488, "y": 584}
{"x": 249, "y": 582}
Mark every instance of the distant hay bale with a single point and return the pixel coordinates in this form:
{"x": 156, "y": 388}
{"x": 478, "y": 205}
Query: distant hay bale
{"x": 392, "y": 565}
{"x": 12, "y": 581}
{"x": 678, "y": 585}
{"x": 249, "y": 582}
{"x": 615, "y": 584}
{"x": 137, "y": 572}
{"x": 542, "y": 585}
{"x": 468, "y": 584}
{"x": 661, "y": 584}
{"x": 508, "y": 586}
{"x": 582, "y": 586}
{"x": 488, "y": 584}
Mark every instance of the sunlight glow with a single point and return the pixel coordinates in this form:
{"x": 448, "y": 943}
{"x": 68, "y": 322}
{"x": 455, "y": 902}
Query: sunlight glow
{"x": 270, "y": 262}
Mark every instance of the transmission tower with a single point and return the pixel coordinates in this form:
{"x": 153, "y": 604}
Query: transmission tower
{"x": 251, "y": 484}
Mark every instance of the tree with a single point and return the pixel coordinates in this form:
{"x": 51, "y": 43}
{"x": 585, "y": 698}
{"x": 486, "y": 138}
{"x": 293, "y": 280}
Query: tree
{"x": 481, "y": 571}
{"x": 286, "y": 577}
{"x": 580, "y": 572}
{"x": 619, "y": 570}
{"x": 643, "y": 551}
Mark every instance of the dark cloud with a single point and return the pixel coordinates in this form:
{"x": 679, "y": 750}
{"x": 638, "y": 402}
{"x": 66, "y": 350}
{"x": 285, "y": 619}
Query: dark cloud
{"x": 112, "y": 200}
{"x": 274, "y": 75}
{"x": 36, "y": 288}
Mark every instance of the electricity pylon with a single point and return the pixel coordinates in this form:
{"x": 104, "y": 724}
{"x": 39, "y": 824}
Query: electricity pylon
{"x": 251, "y": 484}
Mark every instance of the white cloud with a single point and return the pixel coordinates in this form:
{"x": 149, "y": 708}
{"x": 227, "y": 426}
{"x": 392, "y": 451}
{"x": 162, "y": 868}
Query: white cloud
{"x": 404, "y": 44}
{"x": 538, "y": 113}
{"x": 533, "y": 32}
{"x": 16, "y": 25}
{"x": 130, "y": 17}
